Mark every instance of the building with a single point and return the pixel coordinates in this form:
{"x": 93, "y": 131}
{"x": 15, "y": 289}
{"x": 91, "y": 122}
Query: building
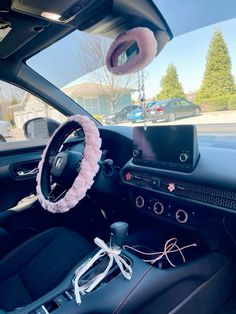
{"x": 90, "y": 96}
{"x": 95, "y": 98}
{"x": 32, "y": 107}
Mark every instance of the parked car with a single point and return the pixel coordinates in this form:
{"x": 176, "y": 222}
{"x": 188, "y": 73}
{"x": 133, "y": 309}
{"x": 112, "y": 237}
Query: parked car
{"x": 138, "y": 114}
{"x": 171, "y": 109}
{"x": 119, "y": 115}
{"x": 5, "y": 130}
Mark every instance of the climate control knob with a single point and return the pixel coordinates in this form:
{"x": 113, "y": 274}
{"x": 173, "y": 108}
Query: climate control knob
{"x": 181, "y": 216}
{"x": 139, "y": 201}
{"x": 158, "y": 208}
{"x": 183, "y": 157}
{"x": 137, "y": 153}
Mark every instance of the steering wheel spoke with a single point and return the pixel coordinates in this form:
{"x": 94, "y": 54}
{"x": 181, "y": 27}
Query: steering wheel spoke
{"x": 57, "y": 192}
{"x": 51, "y": 160}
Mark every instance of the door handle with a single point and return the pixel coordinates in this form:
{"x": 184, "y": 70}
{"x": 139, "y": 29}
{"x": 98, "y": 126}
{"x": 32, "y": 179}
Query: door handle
{"x": 23, "y": 173}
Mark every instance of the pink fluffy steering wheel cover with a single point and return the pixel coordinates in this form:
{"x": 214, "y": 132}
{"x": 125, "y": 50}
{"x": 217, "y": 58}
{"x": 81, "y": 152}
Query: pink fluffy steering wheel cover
{"x": 88, "y": 170}
{"x": 147, "y": 44}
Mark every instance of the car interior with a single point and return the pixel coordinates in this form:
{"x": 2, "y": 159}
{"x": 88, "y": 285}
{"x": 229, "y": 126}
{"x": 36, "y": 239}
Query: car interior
{"x": 162, "y": 212}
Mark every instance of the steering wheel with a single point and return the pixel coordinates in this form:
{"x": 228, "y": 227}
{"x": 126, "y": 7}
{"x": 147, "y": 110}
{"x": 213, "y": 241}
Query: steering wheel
{"x": 65, "y": 176}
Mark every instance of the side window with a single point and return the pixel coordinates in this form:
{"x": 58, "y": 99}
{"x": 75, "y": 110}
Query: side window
{"x": 18, "y": 106}
{"x": 184, "y": 103}
{"x": 175, "y": 103}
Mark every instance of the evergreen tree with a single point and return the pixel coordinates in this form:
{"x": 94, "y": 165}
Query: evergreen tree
{"x": 170, "y": 85}
{"x": 218, "y": 79}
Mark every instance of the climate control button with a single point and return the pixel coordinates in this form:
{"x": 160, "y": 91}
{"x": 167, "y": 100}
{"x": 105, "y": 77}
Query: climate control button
{"x": 158, "y": 208}
{"x": 181, "y": 216}
{"x": 139, "y": 201}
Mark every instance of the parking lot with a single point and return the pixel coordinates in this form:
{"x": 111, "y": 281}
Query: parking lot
{"x": 210, "y": 122}
{"x": 213, "y": 122}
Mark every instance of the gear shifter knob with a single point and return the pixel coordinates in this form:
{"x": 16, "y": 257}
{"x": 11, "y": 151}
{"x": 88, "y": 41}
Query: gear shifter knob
{"x": 118, "y": 234}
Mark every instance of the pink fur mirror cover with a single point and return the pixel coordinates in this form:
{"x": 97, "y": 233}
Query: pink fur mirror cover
{"x": 147, "y": 50}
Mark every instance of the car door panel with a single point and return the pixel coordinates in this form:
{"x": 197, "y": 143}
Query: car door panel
{"x": 15, "y": 181}
{"x": 186, "y": 108}
{"x": 16, "y": 161}
{"x": 176, "y": 108}
{"x": 191, "y": 109}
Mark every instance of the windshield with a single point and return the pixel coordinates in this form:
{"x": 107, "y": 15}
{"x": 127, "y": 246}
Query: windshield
{"x": 192, "y": 79}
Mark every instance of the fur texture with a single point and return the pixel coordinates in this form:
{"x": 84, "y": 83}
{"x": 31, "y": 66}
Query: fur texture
{"x": 147, "y": 45}
{"x": 88, "y": 170}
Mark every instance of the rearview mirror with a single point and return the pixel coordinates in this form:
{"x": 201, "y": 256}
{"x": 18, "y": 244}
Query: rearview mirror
{"x": 40, "y": 128}
{"x": 132, "y": 51}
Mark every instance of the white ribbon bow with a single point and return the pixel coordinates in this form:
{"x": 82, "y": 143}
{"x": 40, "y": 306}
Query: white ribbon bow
{"x": 114, "y": 256}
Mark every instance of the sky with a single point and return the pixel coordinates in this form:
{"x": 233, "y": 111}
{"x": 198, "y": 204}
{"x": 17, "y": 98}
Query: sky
{"x": 188, "y": 53}
{"x": 62, "y": 62}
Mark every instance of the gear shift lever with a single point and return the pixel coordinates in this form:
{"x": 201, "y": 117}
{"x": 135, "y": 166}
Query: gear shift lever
{"x": 118, "y": 234}
{"x": 92, "y": 272}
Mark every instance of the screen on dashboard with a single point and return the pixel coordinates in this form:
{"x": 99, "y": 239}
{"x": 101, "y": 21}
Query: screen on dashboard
{"x": 163, "y": 144}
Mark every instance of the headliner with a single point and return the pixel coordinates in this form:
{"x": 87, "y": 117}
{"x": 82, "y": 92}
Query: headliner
{"x": 181, "y": 16}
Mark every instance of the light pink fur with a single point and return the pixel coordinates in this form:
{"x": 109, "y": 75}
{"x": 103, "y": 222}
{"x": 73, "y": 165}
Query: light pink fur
{"x": 147, "y": 44}
{"x": 88, "y": 170}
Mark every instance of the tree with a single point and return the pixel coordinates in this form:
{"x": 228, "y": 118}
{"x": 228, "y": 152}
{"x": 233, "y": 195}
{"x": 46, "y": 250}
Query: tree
{"x": 218, "y": 79}
{"x": 93, "y": 53}
{"x": 170, "y": 85}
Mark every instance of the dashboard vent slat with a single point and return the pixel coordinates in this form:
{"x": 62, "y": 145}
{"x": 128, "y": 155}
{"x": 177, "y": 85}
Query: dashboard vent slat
{"x": 202, "y": 193}
{"x": 192, "y": 191}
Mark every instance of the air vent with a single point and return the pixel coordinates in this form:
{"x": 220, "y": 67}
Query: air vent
{"x": 191, "y": 191}
{"x": 202, "y": 193}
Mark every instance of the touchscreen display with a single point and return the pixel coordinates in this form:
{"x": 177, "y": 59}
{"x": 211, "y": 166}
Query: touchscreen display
{"x": 172, "y": 144}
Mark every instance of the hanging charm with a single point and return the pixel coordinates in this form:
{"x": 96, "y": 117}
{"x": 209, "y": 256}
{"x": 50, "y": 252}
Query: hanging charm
{"x": 142, "y": 96}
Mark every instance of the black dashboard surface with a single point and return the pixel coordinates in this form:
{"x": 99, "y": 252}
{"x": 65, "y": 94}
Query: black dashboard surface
{"x": 216, "y": 165}
{"x": 206, "y": 194}
{"x": 202, "y": 201}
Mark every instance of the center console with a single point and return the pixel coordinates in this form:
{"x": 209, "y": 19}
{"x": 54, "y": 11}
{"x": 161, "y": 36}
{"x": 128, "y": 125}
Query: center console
{"x": 186, "y": 288}
{"x": 183, "y": 289}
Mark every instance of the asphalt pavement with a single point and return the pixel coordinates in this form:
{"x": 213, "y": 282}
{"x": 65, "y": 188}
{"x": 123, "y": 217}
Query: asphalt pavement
{"x": 220, "y": 122}
{"x": 217, "y": 123}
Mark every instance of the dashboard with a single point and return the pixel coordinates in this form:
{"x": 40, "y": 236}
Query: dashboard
{"x": 166, "y": 192}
